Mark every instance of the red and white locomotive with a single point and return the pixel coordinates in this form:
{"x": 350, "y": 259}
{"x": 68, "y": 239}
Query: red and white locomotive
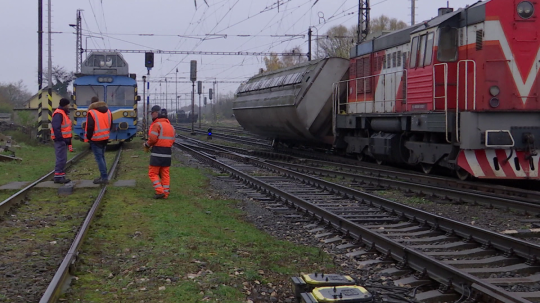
{"x": 458, "y": 91}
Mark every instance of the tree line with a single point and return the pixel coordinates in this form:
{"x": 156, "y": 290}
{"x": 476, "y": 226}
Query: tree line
{"x": 16, "y": 94}
{"x": 336, "y": 42}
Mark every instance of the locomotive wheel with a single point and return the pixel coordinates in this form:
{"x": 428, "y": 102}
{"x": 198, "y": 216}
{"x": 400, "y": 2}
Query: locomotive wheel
{"x": 426, "y": 168}
{"x": 462, "y": 174}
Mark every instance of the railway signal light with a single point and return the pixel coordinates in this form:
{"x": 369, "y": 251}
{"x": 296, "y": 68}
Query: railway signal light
{"x": 149, "y": 59}
{"x": 205, "y": 101}
{"x": 210, "y": 94}
{"x": 209, "y": 137}
{"x": 193, "y": 71}
{"x": 199, "y": 87}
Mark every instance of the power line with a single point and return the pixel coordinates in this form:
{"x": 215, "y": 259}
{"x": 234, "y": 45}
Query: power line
{"x": 141, "y": 51}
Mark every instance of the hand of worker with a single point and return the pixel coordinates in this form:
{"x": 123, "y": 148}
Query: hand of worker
{"x": 146, "y": 147}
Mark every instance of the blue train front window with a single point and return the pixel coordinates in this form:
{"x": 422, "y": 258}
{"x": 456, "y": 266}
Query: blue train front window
{"x": 86, "y": 92}
{"x": 120, "y": 95}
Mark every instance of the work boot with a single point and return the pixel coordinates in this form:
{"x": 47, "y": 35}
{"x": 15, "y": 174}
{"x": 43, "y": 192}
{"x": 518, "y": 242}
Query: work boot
{"x": 70, "y": 148}
{"x": 159, "y": 196}
{"x": 101, "y": 181}
{"x": 62, "y": 180}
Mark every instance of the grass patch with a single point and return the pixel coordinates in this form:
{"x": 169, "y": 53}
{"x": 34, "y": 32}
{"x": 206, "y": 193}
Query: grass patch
{"x": 191, "y": 247}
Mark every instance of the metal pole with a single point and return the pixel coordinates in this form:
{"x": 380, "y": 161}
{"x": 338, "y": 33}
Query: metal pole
{"x": 166, "y": 93}
{"x": 144, "y": 107}
{"x": 199, "y": 110}
{"x": 147, "y": 106}
{"x": 50, "y": 84}
{"x": 413, "y": 9}
{"x": 40, "y": 69}
{"x": 176, "y": 95}
{"x": 215, "y": 99}
{"x": 192, "y": 107}
{"x": 309, "y": 45}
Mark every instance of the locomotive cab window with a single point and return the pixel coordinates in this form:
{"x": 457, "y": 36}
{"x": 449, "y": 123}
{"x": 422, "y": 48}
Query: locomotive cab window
{"x": 414, "y": 52}
{"x": 429, "y": 50}
{"x": 448, "y": 44}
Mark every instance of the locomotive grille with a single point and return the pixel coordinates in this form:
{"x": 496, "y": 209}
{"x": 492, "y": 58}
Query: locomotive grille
{"x": 479, "y": 39}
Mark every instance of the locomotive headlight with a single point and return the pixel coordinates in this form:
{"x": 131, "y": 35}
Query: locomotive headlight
{"x": 494, "y": 91}
{"x": 84, "y": 114}
{"x": 77, "y": 114}
{"x": 132, "y": 114}
{"x": 125, "y": 114}
{"x": 525, "y": 9}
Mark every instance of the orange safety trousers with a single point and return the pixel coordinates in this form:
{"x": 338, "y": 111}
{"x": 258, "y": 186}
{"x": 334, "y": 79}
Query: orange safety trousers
{"x": 161, "y": 180}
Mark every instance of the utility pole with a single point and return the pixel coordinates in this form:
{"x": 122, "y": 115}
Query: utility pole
{"x": 363, "y": 20}
{"x": 413, "y": 11}
{"x": 176, "y": 94}
{"x": 199, "y": 90}
{"x": 193, "y": 78}
{"x": 78, "y": 47}
{"x": 309, "y": 45}
{"x": 49, "y": 103}
{"x": 40, "y": 133}
{"x": 144, "y": 108}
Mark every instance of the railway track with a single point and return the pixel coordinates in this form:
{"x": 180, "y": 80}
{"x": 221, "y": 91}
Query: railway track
{"x": 37, "y": 238}
{"x": 464, "y": 261}
{"x": 449, "y": 190}
{"x": 21, "y": 195}
{"x": 63, "y": 275}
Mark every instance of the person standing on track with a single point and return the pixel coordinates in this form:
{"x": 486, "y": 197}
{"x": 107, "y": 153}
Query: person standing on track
{"x": 61, "y": 135}
{"x": 161, "y": 137}
{"x": 97, "y": 130}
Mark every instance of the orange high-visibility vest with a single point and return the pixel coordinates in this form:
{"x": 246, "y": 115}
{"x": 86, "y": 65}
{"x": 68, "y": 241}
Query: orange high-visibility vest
{"x": 65, "y": 128}
{"x": 161, "y": 137}
{"x": 102, "y": 125}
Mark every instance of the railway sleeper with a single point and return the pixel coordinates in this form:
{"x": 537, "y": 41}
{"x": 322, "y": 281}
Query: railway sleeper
{"x": 495, "y": 261}
{"x": 471, "y": 253}
{"x": 530, "y": 280}
{"x": 521, "y": 268}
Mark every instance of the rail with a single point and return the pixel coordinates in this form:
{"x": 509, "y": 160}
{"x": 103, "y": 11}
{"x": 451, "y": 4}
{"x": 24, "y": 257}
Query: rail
{"x": 21, "y": 194}
{"x": 54, "y": 290}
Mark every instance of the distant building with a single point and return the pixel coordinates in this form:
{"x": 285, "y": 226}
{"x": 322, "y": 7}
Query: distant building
{"x": 5, "y": 117}
{"x": 31, "y": 106}
{"x": 33, "y": 102}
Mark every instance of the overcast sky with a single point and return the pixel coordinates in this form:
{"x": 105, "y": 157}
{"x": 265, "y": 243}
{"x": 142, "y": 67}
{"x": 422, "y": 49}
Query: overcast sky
{"x": 176, "y": 25}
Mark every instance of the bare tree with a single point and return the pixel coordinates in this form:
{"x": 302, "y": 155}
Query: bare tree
{"x": 293, "y": 60}
{"x": 274, "y": 62}
{"x": 61, "y": 80}
{"x": 337, "y": 42}
{"x": 385, "y": 23}
{"x": 14, "y": 93}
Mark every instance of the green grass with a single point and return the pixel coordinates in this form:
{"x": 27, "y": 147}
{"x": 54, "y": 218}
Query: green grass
{"x": 201, "y": 244}
{"x": 39, "y": 159}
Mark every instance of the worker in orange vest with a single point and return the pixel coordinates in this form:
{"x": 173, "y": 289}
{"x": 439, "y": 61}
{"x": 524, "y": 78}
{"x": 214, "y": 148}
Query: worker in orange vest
{"x": 97, "y": 131}
{"x": 161, "y": 137}
{"x": 61, "y": 135}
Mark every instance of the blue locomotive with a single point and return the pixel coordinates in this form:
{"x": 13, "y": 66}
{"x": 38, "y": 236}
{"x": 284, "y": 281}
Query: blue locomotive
{"x": 106, "y": 76}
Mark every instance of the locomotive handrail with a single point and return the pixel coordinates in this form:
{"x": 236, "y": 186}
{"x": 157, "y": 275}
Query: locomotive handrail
{"x": 445, "y": 66}
{"x": 466, "y": 107}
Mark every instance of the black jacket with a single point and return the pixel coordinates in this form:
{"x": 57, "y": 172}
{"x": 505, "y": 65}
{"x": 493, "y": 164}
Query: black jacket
{"x": 101, "y": 107}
